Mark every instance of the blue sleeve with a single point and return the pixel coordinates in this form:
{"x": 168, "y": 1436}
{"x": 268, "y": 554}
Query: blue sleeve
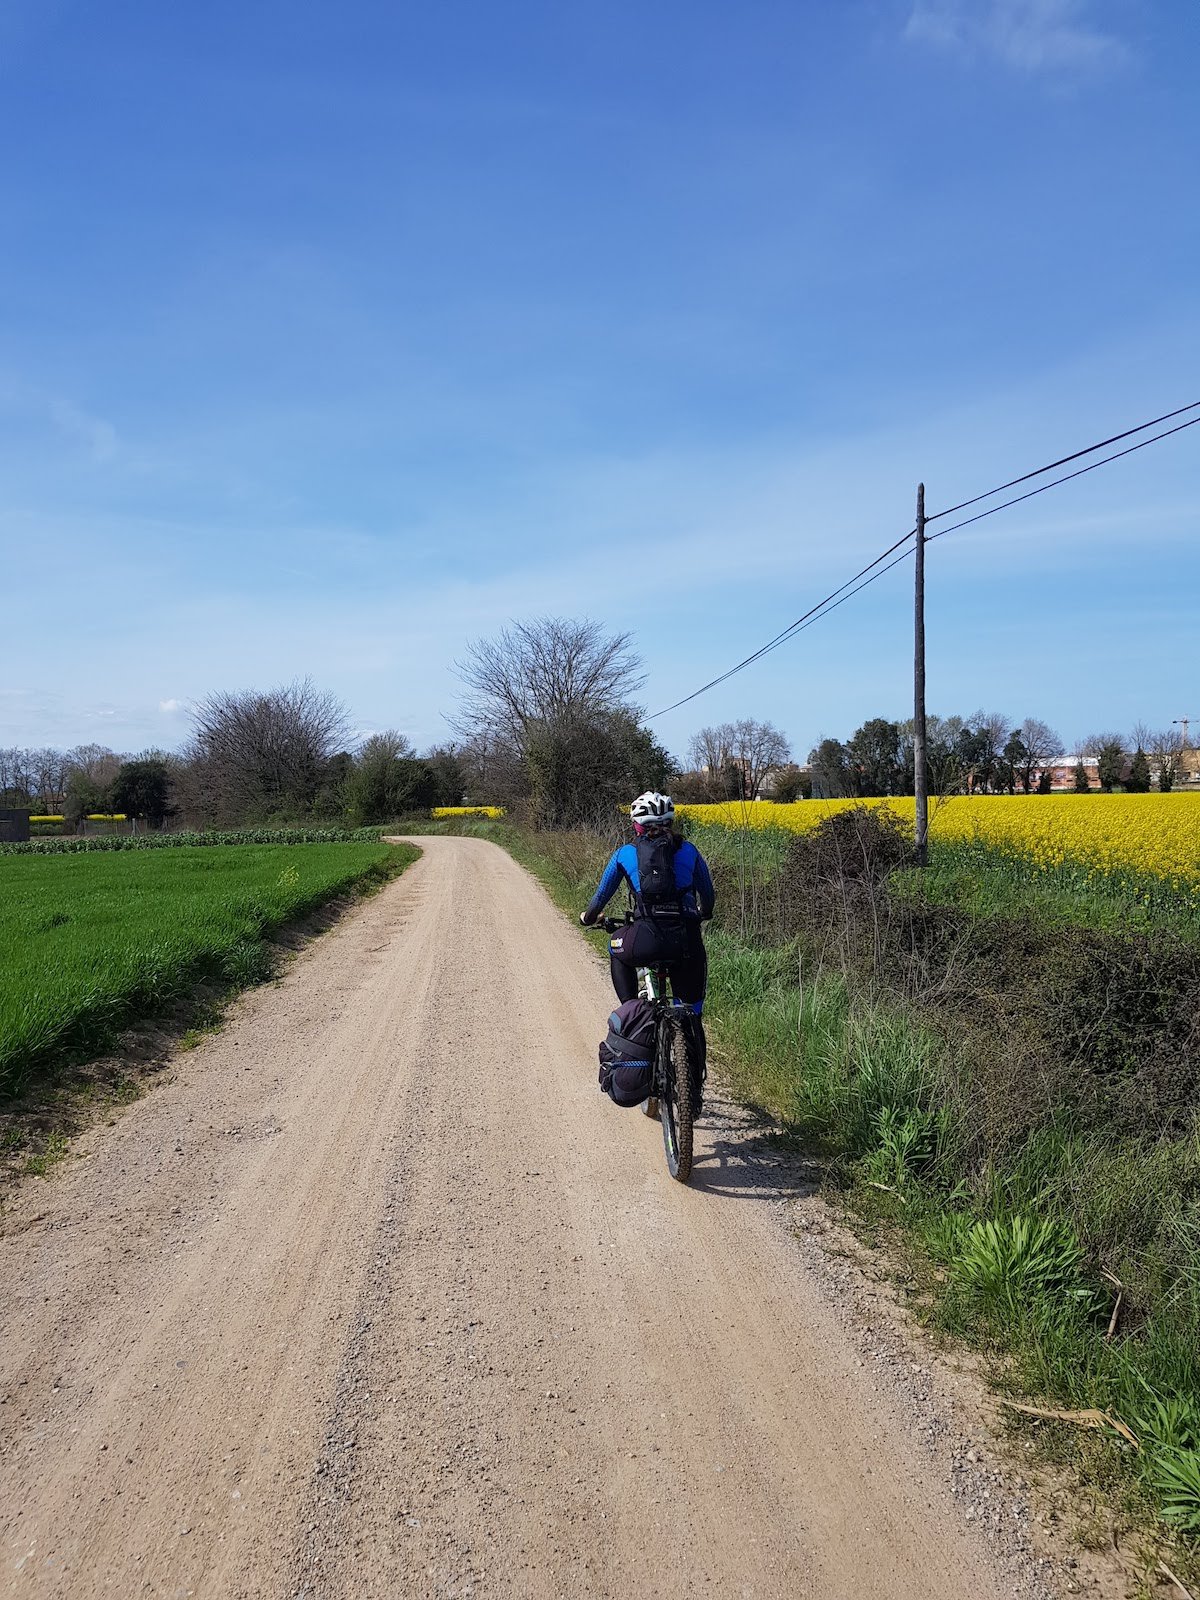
{"x": 706, "y": 894}
{"x": 610, "y": 882}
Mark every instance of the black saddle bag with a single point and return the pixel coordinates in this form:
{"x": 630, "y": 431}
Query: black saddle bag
{"x": 627, "y": 1054}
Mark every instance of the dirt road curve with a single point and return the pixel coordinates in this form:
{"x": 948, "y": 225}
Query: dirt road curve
{"x": 379, "y": 1297}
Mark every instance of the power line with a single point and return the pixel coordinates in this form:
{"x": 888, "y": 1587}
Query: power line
{"x": 1101, "y": 444}
{"x": 794, "y": 627}
{"x": 1054, "y": 482}
{"x": 869, "y": 574}
{"x": 903, "y": 556}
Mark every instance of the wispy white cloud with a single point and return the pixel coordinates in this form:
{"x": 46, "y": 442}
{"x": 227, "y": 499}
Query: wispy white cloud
{"x": 97, "y": 435}
{"x": 79, "y": 427}
{"x": 1036, "y": 36}
{"x": 170, "y": 706}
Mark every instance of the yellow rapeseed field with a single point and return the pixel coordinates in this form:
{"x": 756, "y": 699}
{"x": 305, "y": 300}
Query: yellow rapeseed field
{"x": 93, "y": 816}
{"x": 1155, "y": 833}
{"x": 467, "y": 811}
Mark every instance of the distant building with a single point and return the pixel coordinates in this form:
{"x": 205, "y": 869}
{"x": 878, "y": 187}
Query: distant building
{"x": 767, "y": 787}
{"x": 1063, "y": 773}
{"x": 14, "y": 826}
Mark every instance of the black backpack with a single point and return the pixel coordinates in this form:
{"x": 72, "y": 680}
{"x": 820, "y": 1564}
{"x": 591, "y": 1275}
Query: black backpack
{"x": 658, "y": 894}
{"x": 627, "y": 1055}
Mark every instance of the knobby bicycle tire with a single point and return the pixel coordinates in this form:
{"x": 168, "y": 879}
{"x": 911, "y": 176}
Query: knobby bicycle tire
{"x": 675, "y": 1098}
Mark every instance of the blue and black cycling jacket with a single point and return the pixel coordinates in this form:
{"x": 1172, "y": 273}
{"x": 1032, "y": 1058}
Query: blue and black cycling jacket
{"x": 692, "y": 879}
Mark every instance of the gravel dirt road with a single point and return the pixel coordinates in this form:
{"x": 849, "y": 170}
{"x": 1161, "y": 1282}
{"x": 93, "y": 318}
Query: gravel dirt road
{"x": 377, "y": 1296}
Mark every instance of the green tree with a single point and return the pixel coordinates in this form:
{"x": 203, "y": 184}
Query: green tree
{"x": 1110, "y": 763}
{"x": 832, "y": 777}
{"x": 387, "y": 780}
{"x": 791, "y": 784}
{"x": 1045, "y": 783}
{"x": 582, "y": 769}
{"x": 142, "y": 789}
{"x": 1138, "y": 781}
{"x": 84, "y": 797}
{"x": 449, "y": 778}
{"x": 978, "y": 748}
{"x": 1083, "y": 784}
{"x": 330, "y": 798}
{"x": 874, "y": 757}
{"x": 1013, "y": 760}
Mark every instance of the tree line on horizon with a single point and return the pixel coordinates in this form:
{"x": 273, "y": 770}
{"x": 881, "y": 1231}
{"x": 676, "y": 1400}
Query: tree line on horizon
{"x": 280, "y": 755}
{"x": 988, "y": 754}
{"x": 548, "y": 726}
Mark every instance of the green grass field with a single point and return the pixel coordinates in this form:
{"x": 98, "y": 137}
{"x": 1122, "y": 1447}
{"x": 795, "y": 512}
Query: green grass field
{"x": 88, "y": 941}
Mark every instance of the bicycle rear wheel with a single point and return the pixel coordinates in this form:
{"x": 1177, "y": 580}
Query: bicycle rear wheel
{"x": 674, "y": 1080}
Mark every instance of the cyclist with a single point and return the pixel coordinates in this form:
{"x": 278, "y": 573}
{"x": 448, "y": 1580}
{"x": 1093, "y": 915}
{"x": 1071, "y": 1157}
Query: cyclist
{"x": 673, "y": 893}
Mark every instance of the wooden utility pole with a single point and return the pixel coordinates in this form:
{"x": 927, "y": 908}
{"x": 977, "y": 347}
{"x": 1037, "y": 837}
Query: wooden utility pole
{"x": 920, "y": 762}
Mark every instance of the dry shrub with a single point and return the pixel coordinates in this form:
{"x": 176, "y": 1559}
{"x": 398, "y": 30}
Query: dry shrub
{"x": 1041, "y": 1019}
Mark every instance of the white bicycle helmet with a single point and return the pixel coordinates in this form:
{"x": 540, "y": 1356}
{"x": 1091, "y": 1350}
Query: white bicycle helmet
{"x": 652, "y": 810}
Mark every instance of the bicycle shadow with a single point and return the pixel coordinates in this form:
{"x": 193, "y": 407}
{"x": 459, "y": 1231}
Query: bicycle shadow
{"x": 743, "y": 1154}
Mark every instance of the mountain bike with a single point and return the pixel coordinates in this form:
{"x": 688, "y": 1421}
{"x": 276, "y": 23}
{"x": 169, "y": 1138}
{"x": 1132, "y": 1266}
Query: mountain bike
{"x": 671, "y": 1098}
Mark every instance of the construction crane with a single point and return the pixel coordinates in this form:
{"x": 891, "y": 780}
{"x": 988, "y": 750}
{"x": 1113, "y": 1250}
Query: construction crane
{"x": 1184, "y": 723}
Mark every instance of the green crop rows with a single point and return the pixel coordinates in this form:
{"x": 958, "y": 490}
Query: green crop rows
{"x": 89, "y": 940}
{"x": 174, "y": 841}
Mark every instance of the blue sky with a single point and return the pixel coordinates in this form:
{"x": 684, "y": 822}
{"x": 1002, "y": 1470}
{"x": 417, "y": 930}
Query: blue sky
{"x": 334, "y": 336}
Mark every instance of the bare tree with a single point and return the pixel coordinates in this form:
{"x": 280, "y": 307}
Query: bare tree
{"x": 980, "y": 750}
{"x": 1095, "y": 742}
{"x": 1041, "y": 745}
{"x": 710, "y": 749}
{"x": 48, "y": 778}
{"x": 95, "y": 764}
{"x": 547, "y": 670}
{"x": 757, "y": 748}
{"x": 1164, "y": 746}
{"x": 548, "y": 712}
{"x": 257, "y": 755}
{"x": 944, "y": 753}
{"x": 16, "y": 779}
{"x": 390, "y": 745}
{"x": 752, "y": 749}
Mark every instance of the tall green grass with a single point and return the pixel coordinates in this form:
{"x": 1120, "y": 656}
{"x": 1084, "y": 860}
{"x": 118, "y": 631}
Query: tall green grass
{"x": 977, "y": 877}
{"x": 88, "y": 941}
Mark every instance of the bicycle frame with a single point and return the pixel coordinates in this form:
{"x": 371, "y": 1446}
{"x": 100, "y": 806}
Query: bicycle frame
{"x": 665, "y": 1101}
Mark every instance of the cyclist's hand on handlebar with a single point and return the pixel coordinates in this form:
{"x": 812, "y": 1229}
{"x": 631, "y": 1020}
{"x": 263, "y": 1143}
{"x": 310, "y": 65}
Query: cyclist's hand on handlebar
{"x": 584, "y": 920}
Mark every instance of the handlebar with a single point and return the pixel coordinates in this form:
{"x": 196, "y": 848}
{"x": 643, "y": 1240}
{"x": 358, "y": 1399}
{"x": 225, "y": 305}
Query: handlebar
{"x": 611, "y": 924}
